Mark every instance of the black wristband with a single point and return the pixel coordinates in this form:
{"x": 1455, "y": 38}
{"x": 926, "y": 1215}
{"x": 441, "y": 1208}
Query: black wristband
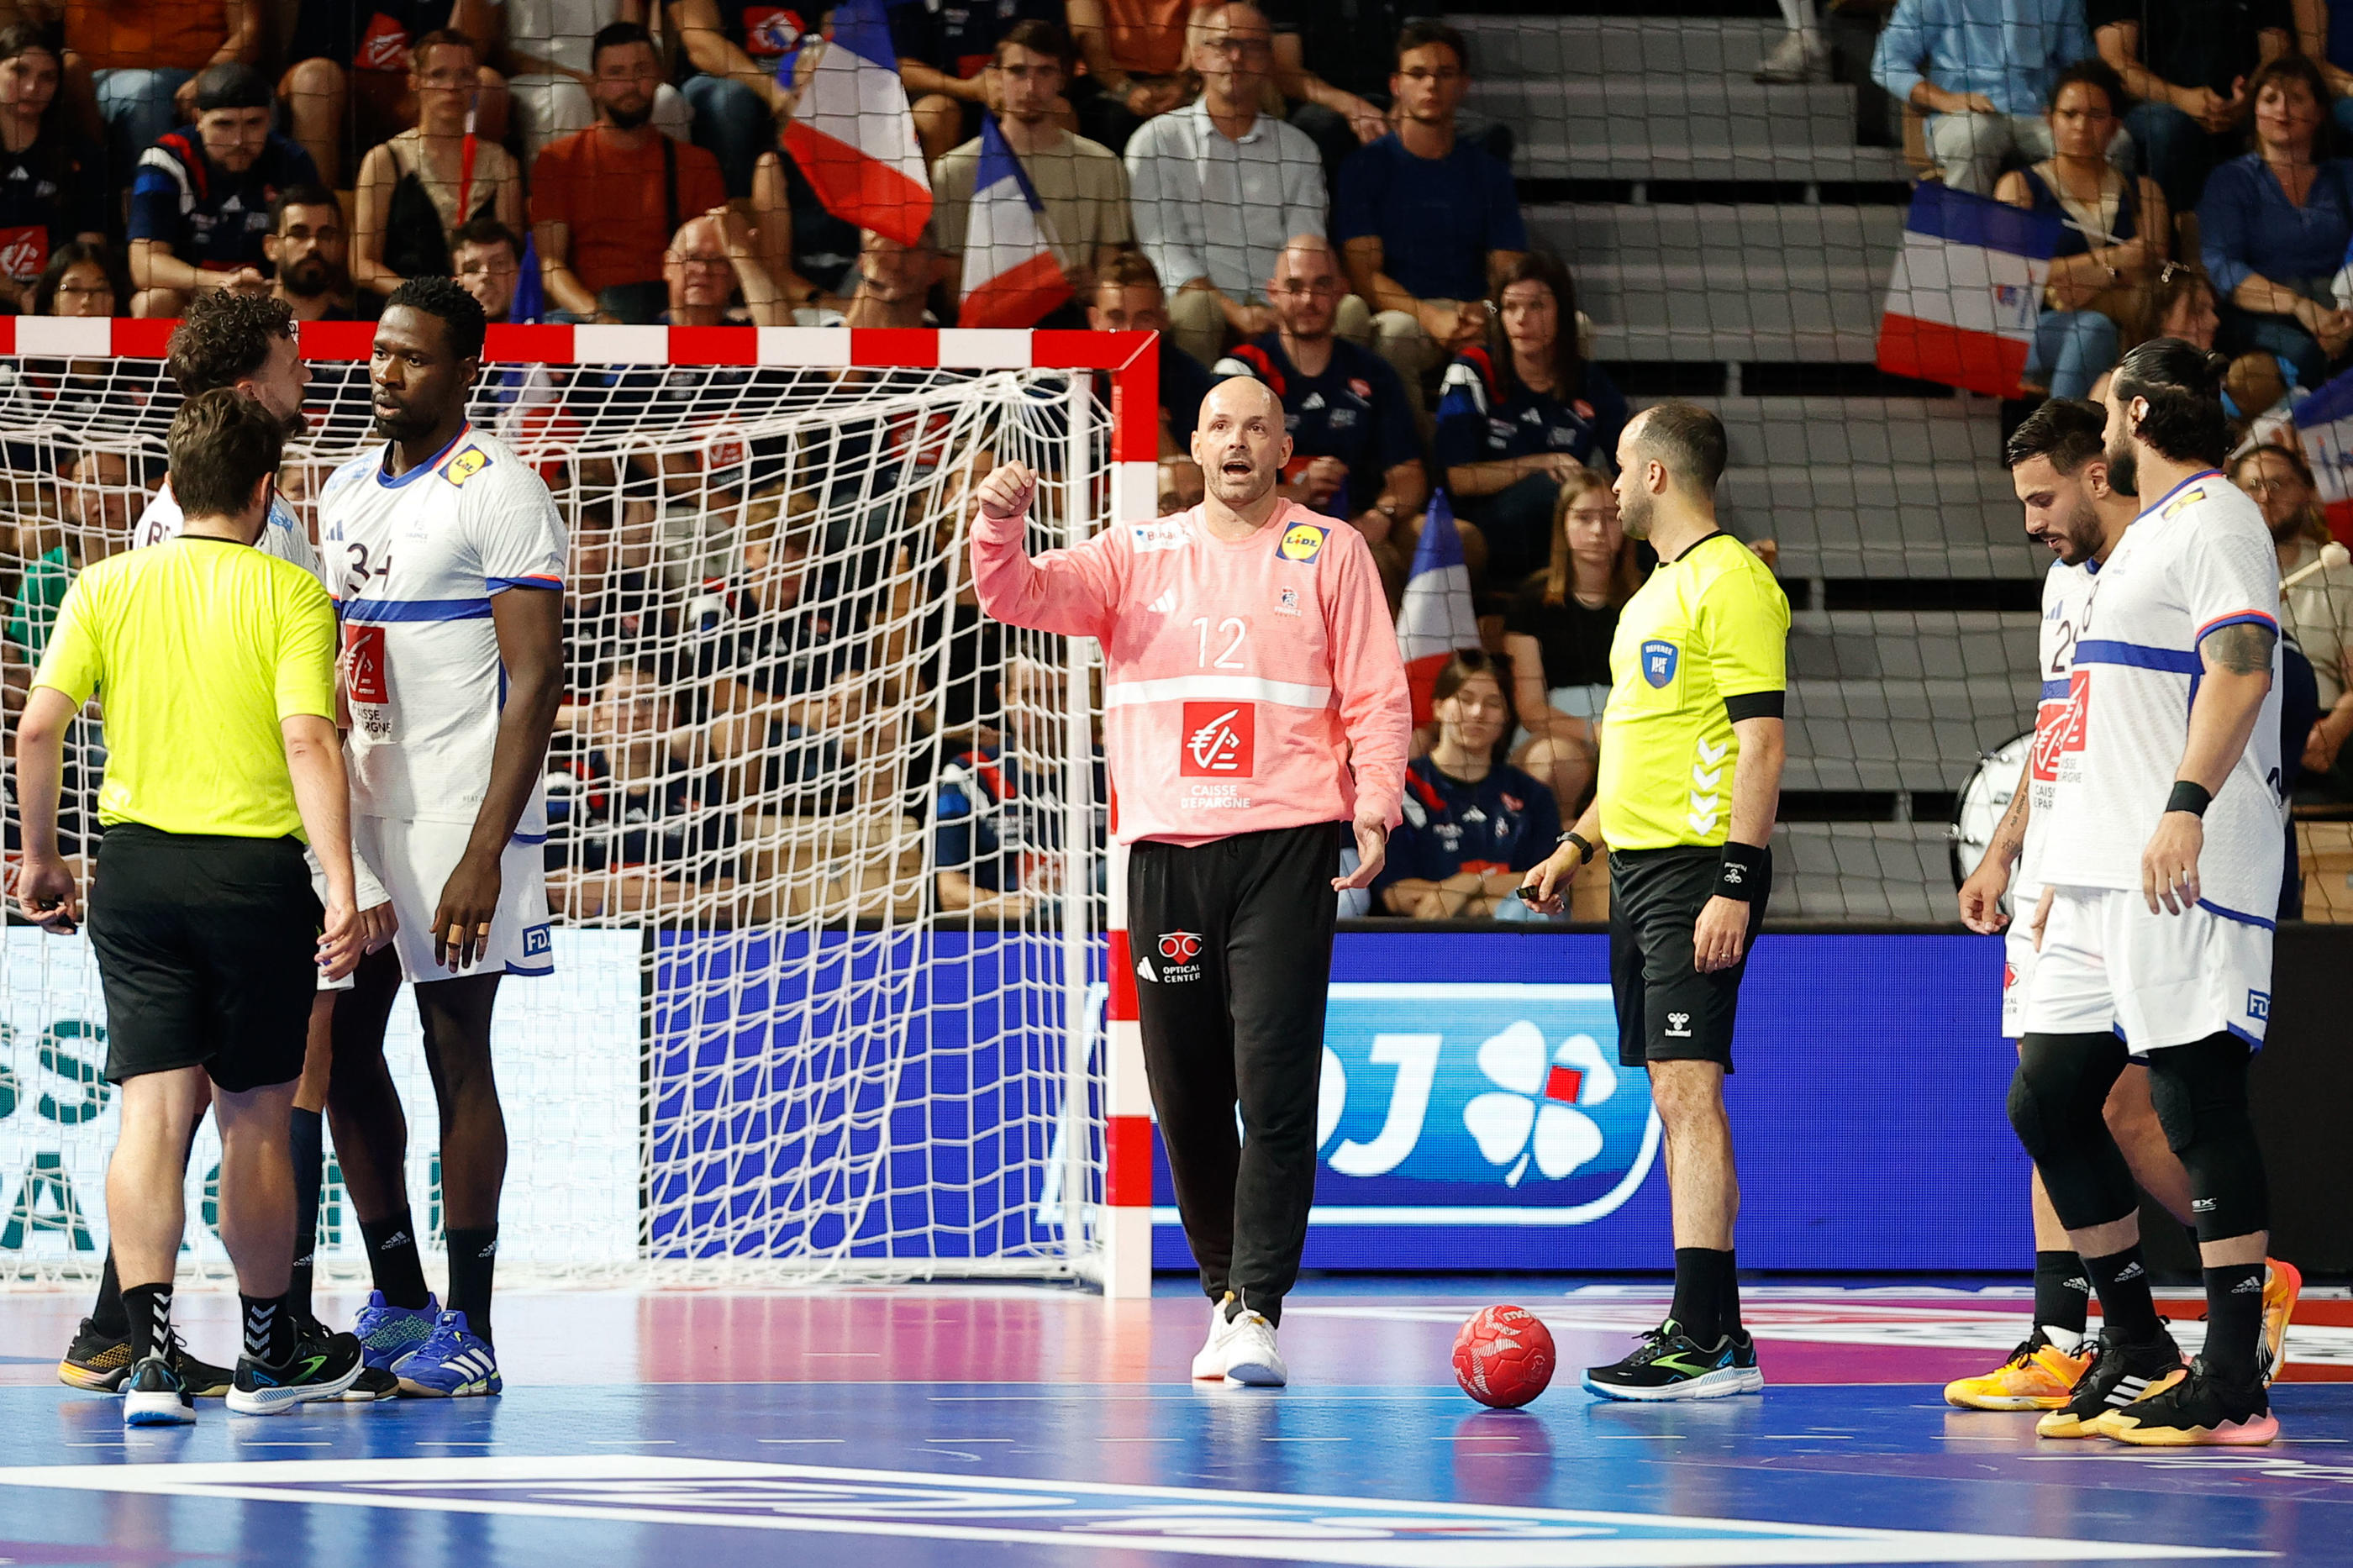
{"x": 1584, "y": 850}
{"x": 1742, "y": 873}
{"x": 2189, "y": 796}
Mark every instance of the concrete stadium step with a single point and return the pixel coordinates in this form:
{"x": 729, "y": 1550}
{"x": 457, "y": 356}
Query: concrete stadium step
{"x": 1862, "y": 870}
{"x": 1688, "y": 128}
{"x": 1929, "y": 560}
{"x": 1910, "y": 645}
{"x": 1908, "y": 735}
{"x": 1586, "y": 234}
{"x": 1855, "y": 505}
{"x": 1503, "y": 48}
{"x": 1938, "y": 432}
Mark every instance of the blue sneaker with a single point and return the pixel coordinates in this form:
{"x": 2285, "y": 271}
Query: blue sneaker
{"x": 452, "y": 1365}
{"x": 387, "y": 1332}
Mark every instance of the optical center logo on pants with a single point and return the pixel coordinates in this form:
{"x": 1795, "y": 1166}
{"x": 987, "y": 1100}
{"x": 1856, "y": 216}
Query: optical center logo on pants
{"x": 1180, "y": 953}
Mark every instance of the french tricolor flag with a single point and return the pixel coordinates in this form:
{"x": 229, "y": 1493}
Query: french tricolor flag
{"x": 2324, "y": 427}
{"x": 1967, "y": 287}
{"x": 852, "y": 133}
{"x": 1435, "y": 617}
{"x": 1011, "y": 279}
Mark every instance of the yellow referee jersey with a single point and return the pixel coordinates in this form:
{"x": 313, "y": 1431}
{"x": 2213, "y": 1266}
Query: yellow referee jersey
{"x": 1710, "y": 625}
{"x": 197, "y": 648}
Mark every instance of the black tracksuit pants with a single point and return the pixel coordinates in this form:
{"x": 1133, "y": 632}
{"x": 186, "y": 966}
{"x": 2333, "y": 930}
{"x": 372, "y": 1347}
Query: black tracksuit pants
{"x": 1233, "y": 944}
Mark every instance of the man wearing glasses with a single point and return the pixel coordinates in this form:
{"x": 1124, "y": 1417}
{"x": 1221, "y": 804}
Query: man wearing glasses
{"x": 1220, "y": 187}
{"x": 1355, "y": 453}
{"x": 1427, "y": 221}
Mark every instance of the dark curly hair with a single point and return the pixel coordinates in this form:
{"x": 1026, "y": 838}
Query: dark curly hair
{"x": 2183, "y": 385}
{"x": 224, "y": 338}
{"x": 460, "y": 313}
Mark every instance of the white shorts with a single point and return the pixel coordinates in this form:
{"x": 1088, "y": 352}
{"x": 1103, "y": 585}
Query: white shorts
{"x": 2017, "y": 978}
{"x": 415, "y": 858}
{"x": 2156, "y": 979}
{"x": 319, "y": 887}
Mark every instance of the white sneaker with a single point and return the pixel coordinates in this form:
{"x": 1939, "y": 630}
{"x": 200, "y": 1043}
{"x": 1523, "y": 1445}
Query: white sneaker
{"x": 1799, "y": 56}
{"x": 1251, "y": 1360}
{"x": 1211, "y": 1362}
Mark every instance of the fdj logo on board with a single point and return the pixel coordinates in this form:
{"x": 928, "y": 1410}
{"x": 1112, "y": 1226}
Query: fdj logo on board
{"x": 1432, "y": 1091}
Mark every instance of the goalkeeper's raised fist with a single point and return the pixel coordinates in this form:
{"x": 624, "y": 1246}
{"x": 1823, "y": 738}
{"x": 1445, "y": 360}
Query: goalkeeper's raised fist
{"x": 1007, "y": 492}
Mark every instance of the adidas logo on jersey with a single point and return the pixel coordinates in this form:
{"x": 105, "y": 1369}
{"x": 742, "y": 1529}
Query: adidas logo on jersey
{"x": 1163, "y": 605}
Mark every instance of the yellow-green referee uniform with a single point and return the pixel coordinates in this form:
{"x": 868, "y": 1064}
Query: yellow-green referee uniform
{"x": 201, "y": 913}
{"x": 1703, "y": 643}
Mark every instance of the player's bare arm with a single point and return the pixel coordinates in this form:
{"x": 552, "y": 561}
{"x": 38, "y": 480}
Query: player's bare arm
{"x": 1722, "y": 930}
{"x": 530, "y": 626}
{"x": 1546, "y": 888}
{"x": 2238, "y": 677}
{"x": 323, "y": 795}
{"x": 1981, "y": 894}
{"x": 45, "y": 885}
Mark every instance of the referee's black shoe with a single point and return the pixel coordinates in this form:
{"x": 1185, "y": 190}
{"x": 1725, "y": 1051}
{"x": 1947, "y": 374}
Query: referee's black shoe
{"x": 373, "y": 1383}
{"x": 2122, "y": 1372}
{"x": 319, "y": 1369}
{"x": 153, "y": 1395}
{"x": 1671, "y": 1364}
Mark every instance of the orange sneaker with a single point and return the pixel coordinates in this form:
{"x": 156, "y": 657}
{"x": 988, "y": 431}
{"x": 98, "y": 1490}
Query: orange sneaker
{"x": 2283, "y": 1283}
{"x": 2036, "y": 1376}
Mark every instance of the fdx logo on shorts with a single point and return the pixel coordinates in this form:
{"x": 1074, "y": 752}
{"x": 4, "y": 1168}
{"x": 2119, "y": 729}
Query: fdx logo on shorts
{"x": 1658, "y": 661}
{"x": 536, "y": 942}
{"x": 2259, "y": 1005}
{"x": 1181, "y": 952}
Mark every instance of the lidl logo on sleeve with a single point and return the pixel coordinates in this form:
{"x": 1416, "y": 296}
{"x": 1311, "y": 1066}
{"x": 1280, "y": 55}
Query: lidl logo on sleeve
{"x": 1302, "y": 541}
{"x": 1658, "y": 661}
{"x": 466, "y": 465}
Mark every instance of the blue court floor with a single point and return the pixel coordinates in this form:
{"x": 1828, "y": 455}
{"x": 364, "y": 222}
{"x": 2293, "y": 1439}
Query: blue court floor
{"x": 995, "y": 1427}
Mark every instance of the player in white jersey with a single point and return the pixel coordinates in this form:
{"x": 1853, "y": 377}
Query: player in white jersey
{"x": 2163, "y": 859}
{"x": 247, "y": 344}
{"x": 446, "y": 555}
{"x": 2059, "y": 467}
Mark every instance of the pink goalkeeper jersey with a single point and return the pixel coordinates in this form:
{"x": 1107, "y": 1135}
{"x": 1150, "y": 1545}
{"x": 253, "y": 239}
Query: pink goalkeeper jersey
{"x": 1249, "y": 685}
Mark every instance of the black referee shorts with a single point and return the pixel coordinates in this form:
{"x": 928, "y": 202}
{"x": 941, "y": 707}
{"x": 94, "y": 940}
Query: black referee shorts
{"x": 1667, "y": 1010}
{"x": 208, "y": 949}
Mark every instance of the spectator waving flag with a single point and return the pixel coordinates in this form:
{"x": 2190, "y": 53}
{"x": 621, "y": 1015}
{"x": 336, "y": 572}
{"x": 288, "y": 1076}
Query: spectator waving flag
{"x": 1435, "y": 617}
{"x": 1011, "y": 279}
{"x": 853, "y": 134}
{"x": 2324, "y": 427}
{"x": 1966, "y": 287}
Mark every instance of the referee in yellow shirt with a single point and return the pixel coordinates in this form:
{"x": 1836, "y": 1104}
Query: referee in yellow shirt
{"x": 215, "y": 665}
{"x": 1690, "y": 779}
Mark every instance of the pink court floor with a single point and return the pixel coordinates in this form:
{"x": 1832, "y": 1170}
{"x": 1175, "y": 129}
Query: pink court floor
{"x": 986, "y": 1425}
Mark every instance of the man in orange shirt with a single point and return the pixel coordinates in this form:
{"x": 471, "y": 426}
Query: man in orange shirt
{"x": 605, "y": 201}
{"x": 143, "y": 54}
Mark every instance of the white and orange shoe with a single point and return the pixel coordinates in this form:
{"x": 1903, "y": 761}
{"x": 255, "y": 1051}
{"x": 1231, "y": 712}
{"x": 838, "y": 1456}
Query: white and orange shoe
{"x": 2283, "y": 1283}
{"x": 2038, "y": 1376}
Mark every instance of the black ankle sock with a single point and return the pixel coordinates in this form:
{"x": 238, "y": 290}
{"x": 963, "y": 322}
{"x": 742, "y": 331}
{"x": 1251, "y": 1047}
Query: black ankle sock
{"x": 2235, "y": 1320}
{"x": 149, "y": 1309}
{"x": 2062, "y": 1292}
{"x": 1702, "y": 1280}
{"x": 268, "y": 1329}
{"x": 309, "y": 1168}
{"x": 2126, "y": 1308}
{"x": 473, "y": 1255}
{"x": 392, "y": 1258}
{"x": 106, "y": 1315}
{"x": 1727, "y": 1302}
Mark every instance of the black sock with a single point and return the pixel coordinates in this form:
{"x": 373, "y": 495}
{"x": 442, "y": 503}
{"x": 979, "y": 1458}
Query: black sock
{"x": 309, "y": 1168}
{"x": 1727, "y": 1303}
{"x": 2128, "y": 1309}
{"x": 149, "y": 1309}
{"x": 1702, "y": 1279}
{"x": 2062, "y": 1293}
{"x": 268, "y": 1329}
{"x": 473, "y": 1254}
{"x": 106, "y": 1315}
{"x": 392, "y": 1261}
{"x": 2235, "y": 1320}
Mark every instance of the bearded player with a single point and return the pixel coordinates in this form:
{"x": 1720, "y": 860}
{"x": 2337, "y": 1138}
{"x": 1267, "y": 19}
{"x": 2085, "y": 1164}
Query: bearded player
{"x": 2059, "y": 465}
{"x": 446, "y": 554}
{"x": 2163, "y": 859}
{"x": 247, "y": 343}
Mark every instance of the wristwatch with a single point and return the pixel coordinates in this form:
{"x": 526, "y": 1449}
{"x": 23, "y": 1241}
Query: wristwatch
{"x": 1584, "y": 850}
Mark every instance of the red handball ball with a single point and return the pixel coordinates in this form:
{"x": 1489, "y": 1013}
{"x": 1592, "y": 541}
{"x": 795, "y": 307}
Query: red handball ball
{"x": 1503, "y": 1357}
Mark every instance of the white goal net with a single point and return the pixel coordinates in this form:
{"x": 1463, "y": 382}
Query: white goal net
{"x": 826, "y": 850}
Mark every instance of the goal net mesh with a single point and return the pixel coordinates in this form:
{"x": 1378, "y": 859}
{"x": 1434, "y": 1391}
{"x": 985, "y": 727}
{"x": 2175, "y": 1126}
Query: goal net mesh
{"x": 821, "y": 839}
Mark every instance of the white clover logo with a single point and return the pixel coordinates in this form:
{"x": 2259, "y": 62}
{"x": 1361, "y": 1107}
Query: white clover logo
{"x": 1538, "y": 1094}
